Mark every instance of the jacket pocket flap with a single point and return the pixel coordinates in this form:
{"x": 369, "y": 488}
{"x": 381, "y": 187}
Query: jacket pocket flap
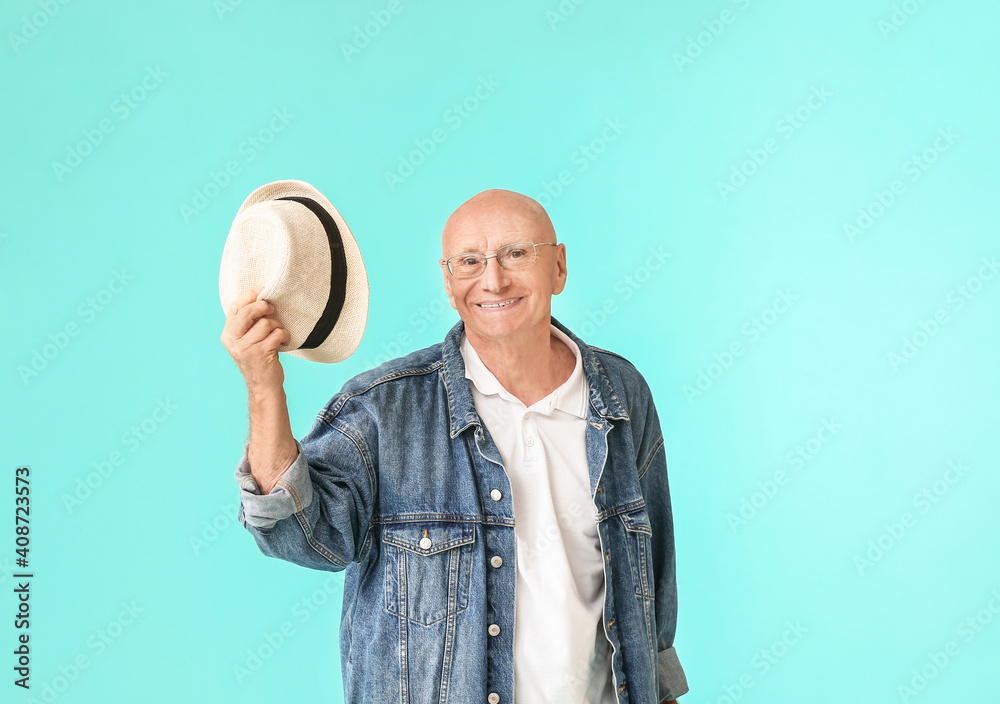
{"x": 637, "y": 520}
{"x": 428, "y": 537}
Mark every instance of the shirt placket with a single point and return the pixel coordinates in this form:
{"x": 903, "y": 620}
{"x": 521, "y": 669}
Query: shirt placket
{"x": 500, "y": 547}
{"x": 530, "y": 445}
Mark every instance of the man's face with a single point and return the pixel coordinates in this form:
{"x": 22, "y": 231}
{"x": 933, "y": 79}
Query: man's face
{"x": 526, "y": 292}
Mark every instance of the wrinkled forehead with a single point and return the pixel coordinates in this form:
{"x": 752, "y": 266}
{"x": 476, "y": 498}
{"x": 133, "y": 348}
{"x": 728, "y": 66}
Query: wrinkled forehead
{"x": 485, "y": 241}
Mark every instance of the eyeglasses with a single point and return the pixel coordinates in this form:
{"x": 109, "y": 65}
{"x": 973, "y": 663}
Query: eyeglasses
{"x": 510, "y": 256}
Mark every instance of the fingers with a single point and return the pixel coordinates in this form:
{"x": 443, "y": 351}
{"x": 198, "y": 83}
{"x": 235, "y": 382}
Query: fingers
{"x": 248, "y": 324}
{"x": 260, "y": 330}
{"x": 247, "y": 296}
{"x": 278, "y": 336}
{"x": 252, "y": 339}
{"x": 244, "y": 316}
{"x": 250, "y": 314}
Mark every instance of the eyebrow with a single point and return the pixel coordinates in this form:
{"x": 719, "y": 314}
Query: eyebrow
{"x": 516, "y": 237}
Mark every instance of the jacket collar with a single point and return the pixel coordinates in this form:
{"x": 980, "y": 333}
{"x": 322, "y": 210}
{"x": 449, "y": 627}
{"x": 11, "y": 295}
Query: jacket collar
{"x": 462, "y": 409}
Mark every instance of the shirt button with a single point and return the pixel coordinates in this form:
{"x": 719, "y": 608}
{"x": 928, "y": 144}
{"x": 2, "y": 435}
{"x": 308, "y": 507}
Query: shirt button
{"x": 496, "y": 495}
{"x": 425, "y": 543}
{"x": 494, "y": 629}
{"x": 529, "y": 442}
{"x": 496, "y": 560}
{"x": 493, "y": 698}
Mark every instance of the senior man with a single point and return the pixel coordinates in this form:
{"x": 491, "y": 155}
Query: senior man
{"x": 498, "y": 501}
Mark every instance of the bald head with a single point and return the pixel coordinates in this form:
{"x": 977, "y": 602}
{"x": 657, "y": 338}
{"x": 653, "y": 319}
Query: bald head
{"x": 496, "y": 211}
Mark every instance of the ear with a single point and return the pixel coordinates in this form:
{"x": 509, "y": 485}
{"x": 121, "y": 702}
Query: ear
{"x": 447, "y": 286}
{"x": 559, "y": 275}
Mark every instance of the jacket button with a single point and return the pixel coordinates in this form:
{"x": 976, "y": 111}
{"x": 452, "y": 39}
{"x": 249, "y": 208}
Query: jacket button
{"x": 496, "y": 560}
{"x": 493, "y": 698}
{"x": 425, "y": 543}
{"x": 494, "y": 629}
{"x": 496, "y": 495}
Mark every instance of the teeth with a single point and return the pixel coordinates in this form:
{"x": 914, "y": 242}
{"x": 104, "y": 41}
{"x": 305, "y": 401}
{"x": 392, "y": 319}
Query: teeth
{"x": 496, "y": 305}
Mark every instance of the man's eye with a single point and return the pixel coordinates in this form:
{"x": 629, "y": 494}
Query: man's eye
{"x": 468, "y": 261}
{"x": 517, "y": 252}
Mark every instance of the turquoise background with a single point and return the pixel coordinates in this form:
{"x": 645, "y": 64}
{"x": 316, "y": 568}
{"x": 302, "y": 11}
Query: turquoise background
{"x": 695, "y": 90}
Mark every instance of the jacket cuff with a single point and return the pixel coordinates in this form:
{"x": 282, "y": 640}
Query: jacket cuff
{"x": 290, "y": 494}
{"x": 673, "y": 683}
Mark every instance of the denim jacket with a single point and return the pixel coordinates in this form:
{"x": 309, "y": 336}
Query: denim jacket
{"x": 400, "y": 484}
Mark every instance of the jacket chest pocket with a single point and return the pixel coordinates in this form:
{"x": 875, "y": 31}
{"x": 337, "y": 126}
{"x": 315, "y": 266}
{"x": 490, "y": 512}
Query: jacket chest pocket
{"x": 639, "y": 537}
{"x": 428, "y": 569}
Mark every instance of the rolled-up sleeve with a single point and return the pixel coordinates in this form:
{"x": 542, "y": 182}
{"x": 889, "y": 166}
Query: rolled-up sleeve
{"x": 673, "y": 683}
{"x": 292, "y": 492}
{"x": 319, "y": 512}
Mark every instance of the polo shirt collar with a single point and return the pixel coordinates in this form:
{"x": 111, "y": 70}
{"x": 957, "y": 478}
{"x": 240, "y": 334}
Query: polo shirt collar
{"x": 570, "y": 397}
{"x": 602, "y": 395}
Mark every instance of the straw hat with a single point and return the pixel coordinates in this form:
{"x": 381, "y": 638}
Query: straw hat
{"x": 290, "y": 240}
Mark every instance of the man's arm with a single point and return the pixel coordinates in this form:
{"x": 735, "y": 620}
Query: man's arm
{"x": 308, "y": 503}
{"x": 271, "y": 447}
{"x": 252, "y": 338}
{"x": 319, "y": 511}
{"x": 653, "y": 482}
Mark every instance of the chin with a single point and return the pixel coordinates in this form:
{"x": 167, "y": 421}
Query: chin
{"x": 485, "y": 327}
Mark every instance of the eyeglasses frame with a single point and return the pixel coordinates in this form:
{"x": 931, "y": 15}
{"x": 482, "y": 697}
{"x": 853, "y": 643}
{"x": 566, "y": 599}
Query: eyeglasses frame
{"x": 447, "y": 262}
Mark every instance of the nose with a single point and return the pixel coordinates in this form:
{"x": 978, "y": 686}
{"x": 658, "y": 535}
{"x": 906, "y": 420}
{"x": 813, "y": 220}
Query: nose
{"x": 495, "y": 278}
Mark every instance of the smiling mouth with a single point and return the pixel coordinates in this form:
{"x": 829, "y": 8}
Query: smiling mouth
{"x": 498, "y": 304}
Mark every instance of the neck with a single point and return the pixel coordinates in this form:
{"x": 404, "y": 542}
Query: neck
{"x": 530, "y": 365}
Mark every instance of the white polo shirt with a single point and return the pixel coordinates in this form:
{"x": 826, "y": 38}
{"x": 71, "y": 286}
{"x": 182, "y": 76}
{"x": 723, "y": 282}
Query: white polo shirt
{"x": 561, "y": 654}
